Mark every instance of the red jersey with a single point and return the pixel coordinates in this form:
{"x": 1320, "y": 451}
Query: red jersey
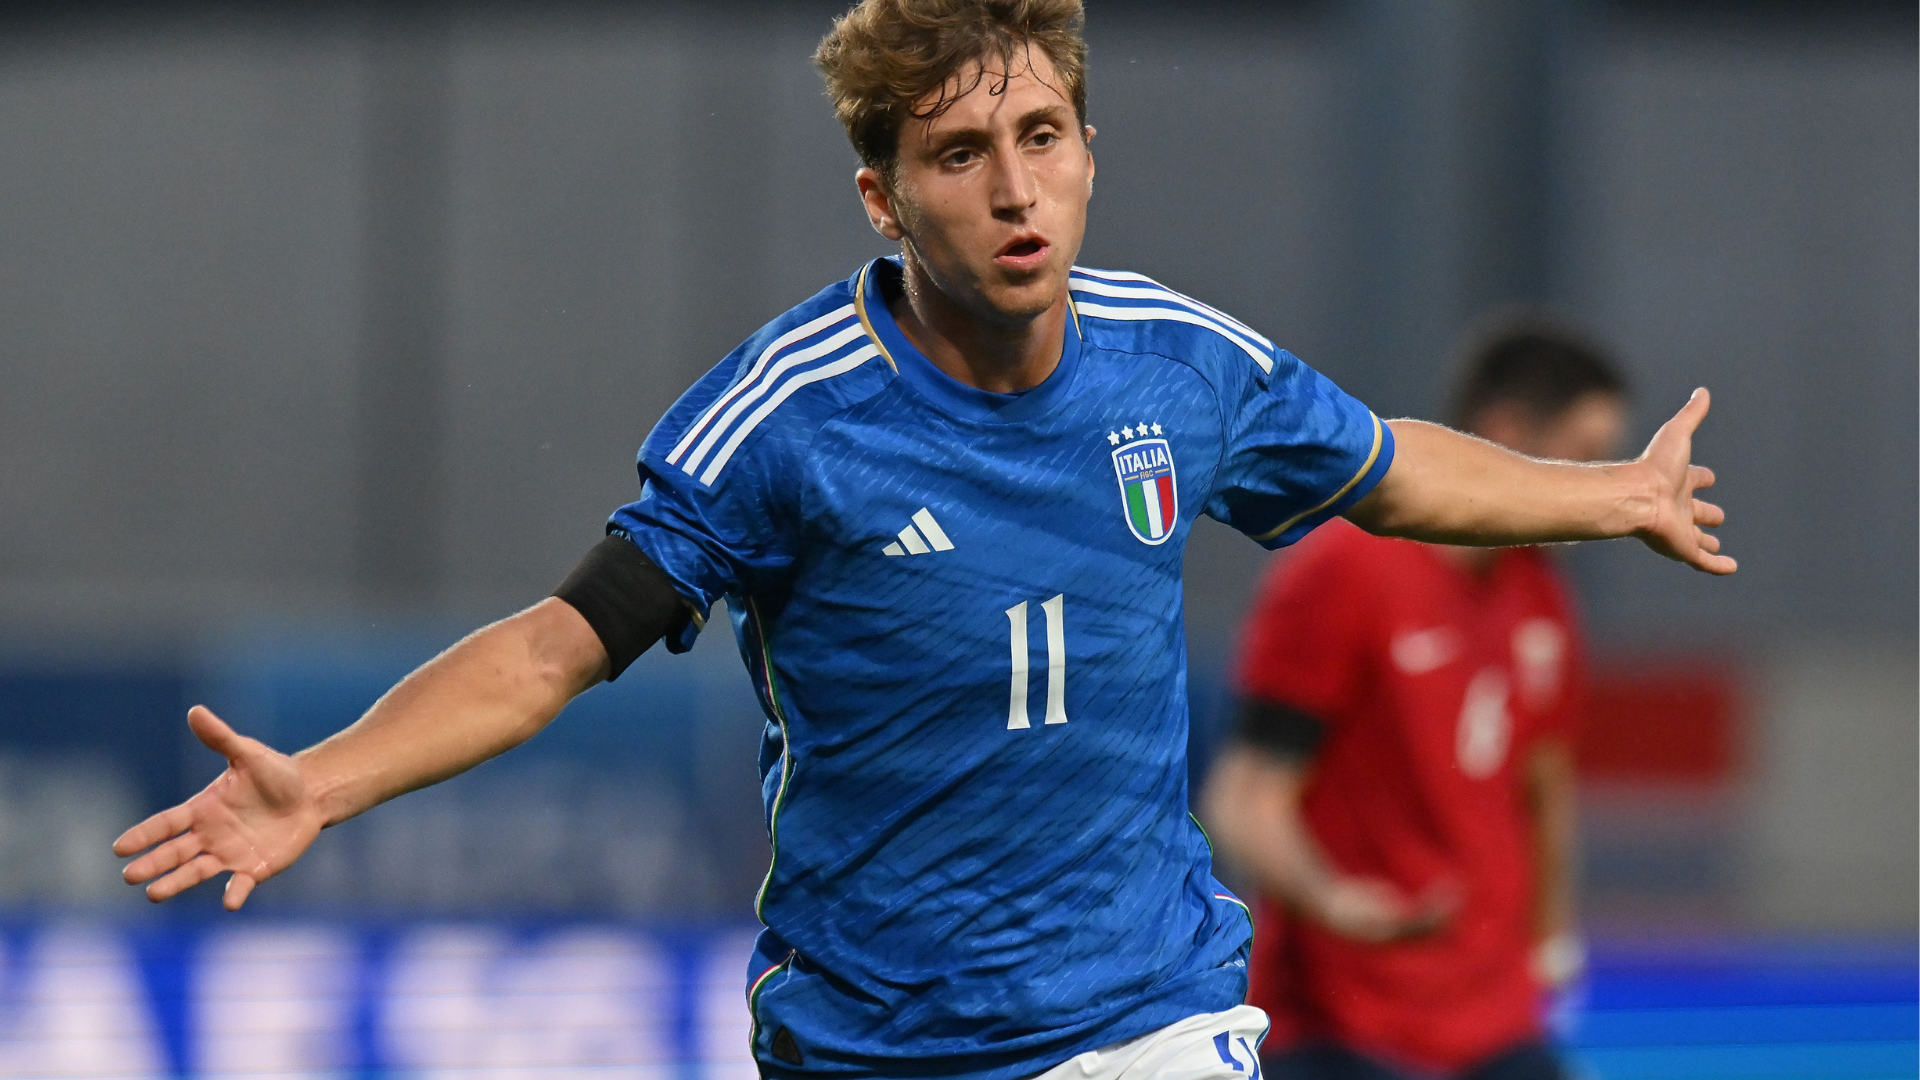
{"x": 1433, "y": 682}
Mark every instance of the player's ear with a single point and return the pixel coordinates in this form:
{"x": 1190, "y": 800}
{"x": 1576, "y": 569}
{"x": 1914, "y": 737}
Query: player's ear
{"x": 878, "y": 200}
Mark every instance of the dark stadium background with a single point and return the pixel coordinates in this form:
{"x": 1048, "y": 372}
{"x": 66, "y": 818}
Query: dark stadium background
{"x": 329, "y": 330}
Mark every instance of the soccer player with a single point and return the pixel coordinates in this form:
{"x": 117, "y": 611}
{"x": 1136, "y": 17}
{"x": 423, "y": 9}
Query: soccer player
{"x": 945, "y": 500}
{"x": 1401, "y": 787}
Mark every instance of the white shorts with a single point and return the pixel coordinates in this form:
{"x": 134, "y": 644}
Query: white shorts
{"x": 1211, "y": 1046}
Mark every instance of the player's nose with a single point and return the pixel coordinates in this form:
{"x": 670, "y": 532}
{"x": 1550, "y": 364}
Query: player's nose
{"x": 1014, "y": 187}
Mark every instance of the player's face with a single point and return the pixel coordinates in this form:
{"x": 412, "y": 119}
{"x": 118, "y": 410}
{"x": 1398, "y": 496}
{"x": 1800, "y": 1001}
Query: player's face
{"x": 990, "y": 196}
{"x": 1590, "y": 429}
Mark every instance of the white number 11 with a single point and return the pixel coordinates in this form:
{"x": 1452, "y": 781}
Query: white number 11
{"x": 1055, "y": 611}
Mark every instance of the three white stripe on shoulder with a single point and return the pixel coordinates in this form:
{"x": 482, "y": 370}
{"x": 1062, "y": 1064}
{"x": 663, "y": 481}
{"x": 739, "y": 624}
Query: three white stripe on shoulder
{"x": 713, "y": 438}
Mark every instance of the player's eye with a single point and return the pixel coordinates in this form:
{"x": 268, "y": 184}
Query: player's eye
{"x": 1043, "y": 138}
{"x": 958, "y": 158}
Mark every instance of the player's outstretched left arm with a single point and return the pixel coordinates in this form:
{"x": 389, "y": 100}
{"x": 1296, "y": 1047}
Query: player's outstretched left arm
{"x": 1448, "y": 488}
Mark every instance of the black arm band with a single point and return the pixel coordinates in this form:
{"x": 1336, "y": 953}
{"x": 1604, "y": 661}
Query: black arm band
{"x": 1280, "y": 730}
{"x": 629, "y": 602}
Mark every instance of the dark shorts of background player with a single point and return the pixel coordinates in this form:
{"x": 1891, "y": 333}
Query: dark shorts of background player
{"x": 1528, "y": 1061}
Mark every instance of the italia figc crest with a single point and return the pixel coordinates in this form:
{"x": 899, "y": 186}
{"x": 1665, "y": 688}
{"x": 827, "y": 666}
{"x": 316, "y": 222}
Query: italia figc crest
{"x": 1149, "y": 491}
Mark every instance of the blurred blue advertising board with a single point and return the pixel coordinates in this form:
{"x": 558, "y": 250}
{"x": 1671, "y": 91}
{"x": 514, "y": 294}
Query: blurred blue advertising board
{"x": 497, "y": 999}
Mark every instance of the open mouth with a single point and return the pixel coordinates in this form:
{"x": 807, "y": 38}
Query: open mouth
{"x": 1024, "y": 252}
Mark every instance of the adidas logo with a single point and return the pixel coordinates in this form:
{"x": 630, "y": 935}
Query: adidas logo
{"x": 927, "y": 538}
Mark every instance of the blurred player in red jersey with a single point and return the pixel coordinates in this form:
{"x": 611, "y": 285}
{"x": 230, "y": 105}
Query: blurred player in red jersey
{"x": 1401, "y": 786}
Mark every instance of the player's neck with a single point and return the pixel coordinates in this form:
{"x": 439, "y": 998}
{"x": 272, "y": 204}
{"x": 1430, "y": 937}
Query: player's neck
{"x": 997, "y": 355}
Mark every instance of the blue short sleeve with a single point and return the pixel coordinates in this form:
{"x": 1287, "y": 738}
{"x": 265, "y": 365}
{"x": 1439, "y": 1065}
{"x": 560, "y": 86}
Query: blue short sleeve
{"x": 714, "y": 531}
{"x": 1298, "y": 451}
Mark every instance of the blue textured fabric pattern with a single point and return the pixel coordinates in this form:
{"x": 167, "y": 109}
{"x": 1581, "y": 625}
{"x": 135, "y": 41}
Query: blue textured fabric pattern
{"x": 963, "y": 619}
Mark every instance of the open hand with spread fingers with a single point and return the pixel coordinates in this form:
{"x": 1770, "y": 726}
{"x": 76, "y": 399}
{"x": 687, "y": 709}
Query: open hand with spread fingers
{"x": 253, "y": 821}
{"x": 1678, "y": 523}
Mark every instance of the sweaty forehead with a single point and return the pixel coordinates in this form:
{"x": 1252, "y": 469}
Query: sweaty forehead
{"x": 982, "y": 94}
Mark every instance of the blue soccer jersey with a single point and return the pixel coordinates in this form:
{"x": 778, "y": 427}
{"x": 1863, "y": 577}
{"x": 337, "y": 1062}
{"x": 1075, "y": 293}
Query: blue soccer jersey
{"x": 962, "y": 613}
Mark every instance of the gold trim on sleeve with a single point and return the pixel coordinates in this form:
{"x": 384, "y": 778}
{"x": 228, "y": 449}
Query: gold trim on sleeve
{"x": 1336, "y": 496}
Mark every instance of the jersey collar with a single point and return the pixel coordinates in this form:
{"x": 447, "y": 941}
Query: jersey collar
{"x": 943, "y": 390}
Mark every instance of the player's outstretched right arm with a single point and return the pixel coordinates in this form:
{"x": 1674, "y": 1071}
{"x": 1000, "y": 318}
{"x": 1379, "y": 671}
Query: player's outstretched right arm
{"x": 489, "y": 693}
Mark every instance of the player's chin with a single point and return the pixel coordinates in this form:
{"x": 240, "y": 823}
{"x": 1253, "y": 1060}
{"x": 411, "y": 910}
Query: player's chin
{"x": 1024, "y": 296}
